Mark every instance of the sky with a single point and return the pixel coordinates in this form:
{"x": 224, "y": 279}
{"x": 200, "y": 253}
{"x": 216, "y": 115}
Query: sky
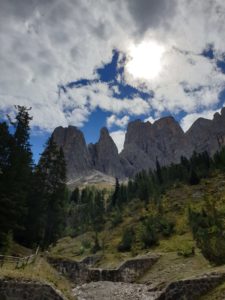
{"x": 95, "y": 63}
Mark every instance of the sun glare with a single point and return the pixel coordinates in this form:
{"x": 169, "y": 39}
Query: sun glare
{"x": 145, "y": 60}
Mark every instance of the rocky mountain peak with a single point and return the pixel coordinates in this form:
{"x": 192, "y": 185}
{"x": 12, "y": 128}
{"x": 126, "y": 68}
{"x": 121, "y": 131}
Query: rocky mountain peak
{"x": 104, "y": 133}
{"x": 105, "y": 155}
{"x": 144, "y": 142}
{"x": 77, "y": 157}
{"x": 168, "y": 124}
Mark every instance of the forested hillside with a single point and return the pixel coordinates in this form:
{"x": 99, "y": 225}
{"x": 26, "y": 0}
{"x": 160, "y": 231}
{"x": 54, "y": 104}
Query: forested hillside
{"x": 33, "y": 199}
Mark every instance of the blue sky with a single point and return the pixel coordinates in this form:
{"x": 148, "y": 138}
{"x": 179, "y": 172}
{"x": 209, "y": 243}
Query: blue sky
{"x": 125, "y": 60}
{"x": 98, "y": 118}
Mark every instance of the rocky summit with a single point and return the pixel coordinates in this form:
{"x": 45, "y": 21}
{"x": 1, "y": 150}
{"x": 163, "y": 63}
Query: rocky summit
{"x": 164, "y": 140}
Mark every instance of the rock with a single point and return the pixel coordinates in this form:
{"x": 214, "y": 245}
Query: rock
{"x": 164, "y": 140}
{"x": 145, "y": 143}
{"x": 110, "y": 290}
{"x": 105, "y": 157}
{"x": 207, "y": 135}
{"x": 76, "y": 153}
{"x": 11, "y": 288}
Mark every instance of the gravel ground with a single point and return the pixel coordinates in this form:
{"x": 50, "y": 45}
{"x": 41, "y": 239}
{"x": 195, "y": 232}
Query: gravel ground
{"x": 105, "y": 290}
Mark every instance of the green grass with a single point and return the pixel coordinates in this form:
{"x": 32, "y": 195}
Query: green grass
{"x": 41, "y": 271}
{"x": 170, "y": 266}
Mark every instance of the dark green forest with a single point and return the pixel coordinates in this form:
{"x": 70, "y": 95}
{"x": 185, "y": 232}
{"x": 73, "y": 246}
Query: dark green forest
{"x": 33, "y": 199}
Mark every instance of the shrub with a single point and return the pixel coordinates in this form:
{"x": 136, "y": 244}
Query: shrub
{"x": 208, "y": 230}
{"x": 116, "y": 218}
{"x": 148, "y": 232}
{"x": 127, "y": 240}
{"x": 166, "y": 228}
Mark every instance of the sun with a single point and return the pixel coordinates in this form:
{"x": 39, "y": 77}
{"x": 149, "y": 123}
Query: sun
{"x": 145, "y": 60}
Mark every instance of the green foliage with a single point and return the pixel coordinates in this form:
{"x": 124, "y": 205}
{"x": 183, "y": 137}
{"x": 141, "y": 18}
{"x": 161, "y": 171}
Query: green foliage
{"x": 194, "y": 179}
{"x": 49, "y": 197}
{"x": 75, "y": 196}
{"x": 15, "y": 176}
{"x": 149, "y": 233}
{"x": 165, "y": 227}
{"x": 89, "y": 212}
{"x": 116, "y": 218}
{"x": 152, "y": 228}
{"x": 208, "y": 230}
{"x": 127, "y": 240}
{"x": 115, "y": 195}
{"x": 186, "y": 252}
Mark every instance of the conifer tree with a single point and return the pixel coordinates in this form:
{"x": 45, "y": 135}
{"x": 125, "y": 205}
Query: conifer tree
{"x": 20, "y": 171}
{"x": 50, "y": 196}
{"x": 115, "y": 194}
{"x": 75, "y": 196}
{"x": 159, "y": 172}
{"x": 7, "y": 210}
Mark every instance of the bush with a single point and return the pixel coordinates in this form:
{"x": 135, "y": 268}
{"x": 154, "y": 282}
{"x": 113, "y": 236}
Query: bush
{"x": 86, "y": 244}
{"x": 166, "y": 228}
{"x": 208, "y": 230}
{"x": 127, "y": 240}
{"x": 186, "y": 252}
{"x": 116, "y": 218}
{"x": 148, "y": 233}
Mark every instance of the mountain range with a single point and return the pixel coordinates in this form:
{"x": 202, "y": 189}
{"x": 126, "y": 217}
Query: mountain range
{"x": 164, "y": 140}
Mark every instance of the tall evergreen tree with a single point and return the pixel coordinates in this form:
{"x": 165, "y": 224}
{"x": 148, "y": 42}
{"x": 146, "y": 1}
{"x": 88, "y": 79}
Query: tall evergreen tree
{"x": 159, "y": 172}
{"x": 7, "y": 209}
{"x": 49, "y": 197}
{"x": 20, "y": 171}
{"x": 115, "y": 195}
{"x": 75, "y": 196}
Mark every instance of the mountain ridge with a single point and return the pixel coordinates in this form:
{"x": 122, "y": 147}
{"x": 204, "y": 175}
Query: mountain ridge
{"x": 145, "y": 142}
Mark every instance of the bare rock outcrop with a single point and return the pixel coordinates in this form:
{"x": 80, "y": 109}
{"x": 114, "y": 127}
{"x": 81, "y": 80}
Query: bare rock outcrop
{"x": 164, "y": 140}
{"x": 105, "y": 157}
{"x": 76, "y": 153}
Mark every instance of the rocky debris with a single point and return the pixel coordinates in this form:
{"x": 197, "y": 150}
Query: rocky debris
{"x": 187, "y": 289}
{"x": 92, "y": 178}
{"x": 23, "y": 289}
{"x": 106, "y": 290}
{"x": 164, "y": 140}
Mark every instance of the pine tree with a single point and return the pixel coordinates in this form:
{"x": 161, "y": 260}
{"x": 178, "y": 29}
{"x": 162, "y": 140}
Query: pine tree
{"x": 159, "y": 172}
{"x": 75, "y": 196}
{"x": 50, "y": 196}
{"x": 194, "y": 179}
{"x": 20, "y": 171}
{"x": 115, "y": 195}
{"x": 7, "y": 209}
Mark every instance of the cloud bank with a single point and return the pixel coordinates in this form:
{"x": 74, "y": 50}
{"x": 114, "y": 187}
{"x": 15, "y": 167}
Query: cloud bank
{"x": 46, "y": 44}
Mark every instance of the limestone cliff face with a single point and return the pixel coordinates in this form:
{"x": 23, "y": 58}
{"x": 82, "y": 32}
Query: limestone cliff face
{"x": 207, "y": 135}
{"x": 144, "y": 144}
{"x": 105, "y": 157}
{"x": 76, "y": 153}
{"x": 165, "y": 140}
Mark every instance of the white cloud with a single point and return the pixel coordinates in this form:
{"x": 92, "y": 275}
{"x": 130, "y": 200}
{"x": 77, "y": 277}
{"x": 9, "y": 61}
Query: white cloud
{"x": 48, "y": 43}
{"x": 114, "y": 120}
{"x": 188, "y": 120}
{"x": 118, "y": 138}
{"x": 150, "y": 119}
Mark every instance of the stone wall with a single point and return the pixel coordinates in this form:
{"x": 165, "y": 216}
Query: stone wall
{"x": 190, "y": 289}
{"x": 128, "y": 271}
{"x": 13, "y": 289}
